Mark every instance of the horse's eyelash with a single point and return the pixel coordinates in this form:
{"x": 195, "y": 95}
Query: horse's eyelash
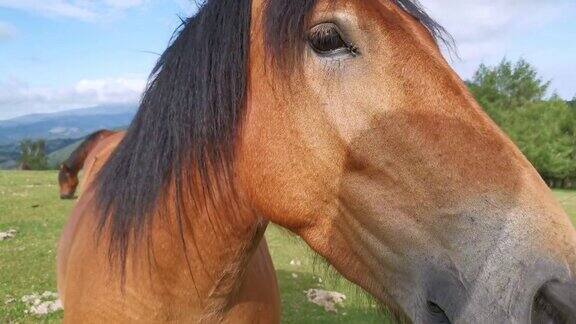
{"x": 354, "y": 50}
{"x": 320, "y": 34}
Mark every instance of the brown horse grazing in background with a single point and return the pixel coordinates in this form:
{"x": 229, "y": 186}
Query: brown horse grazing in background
{"x": 69, "y": 169}
{"x": 342, "y": 122}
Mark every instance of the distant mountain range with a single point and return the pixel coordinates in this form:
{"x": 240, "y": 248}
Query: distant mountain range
{"x": 60, "y": 130}
{"x": 65, "y": 124}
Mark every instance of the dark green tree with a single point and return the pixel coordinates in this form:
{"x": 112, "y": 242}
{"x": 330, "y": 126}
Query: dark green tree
{"x": 507, "y": 85}
{"x": 546, "y": 133}
{"x": 33, "y": 154}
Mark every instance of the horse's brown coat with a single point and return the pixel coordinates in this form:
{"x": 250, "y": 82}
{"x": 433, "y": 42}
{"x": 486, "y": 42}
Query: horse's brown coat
{"x": 158, "y": 292}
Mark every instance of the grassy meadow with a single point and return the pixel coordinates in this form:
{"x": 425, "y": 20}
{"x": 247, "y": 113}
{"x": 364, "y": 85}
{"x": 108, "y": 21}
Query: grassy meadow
{"x": 29, "y": 203}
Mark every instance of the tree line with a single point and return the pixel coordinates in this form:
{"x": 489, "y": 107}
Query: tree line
{"x": 514, "y": 95}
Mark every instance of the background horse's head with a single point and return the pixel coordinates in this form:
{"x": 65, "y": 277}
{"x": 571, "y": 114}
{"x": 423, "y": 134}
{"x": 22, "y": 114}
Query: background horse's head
{"x": 69, "y": 169}
{"x": 68, "y": 181}
{"x": 373, "y": 151}
{"x": 342, "y": 121}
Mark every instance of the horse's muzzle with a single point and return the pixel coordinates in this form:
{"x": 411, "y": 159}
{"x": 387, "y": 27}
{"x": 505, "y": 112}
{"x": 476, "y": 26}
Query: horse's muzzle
{"x": 554, "y": 303}
{"x": 536, "y": 297}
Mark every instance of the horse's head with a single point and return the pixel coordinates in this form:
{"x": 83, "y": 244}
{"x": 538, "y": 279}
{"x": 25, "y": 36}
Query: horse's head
{"x": 68, "y": 181}
{"x": 360, "y": 138}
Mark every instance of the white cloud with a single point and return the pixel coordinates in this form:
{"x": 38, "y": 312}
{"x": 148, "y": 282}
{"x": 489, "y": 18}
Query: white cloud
{"x": 111, "y": 90}
{"x": 87, "y": 10}
{"x": 7, "y": 31}
{"x": 479, "y": 20}
{"x": 18, "y": 98}
{"x": 485, "y": 31}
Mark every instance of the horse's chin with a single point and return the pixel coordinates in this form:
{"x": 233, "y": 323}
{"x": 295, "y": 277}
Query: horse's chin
{"x": 67, "y": 196}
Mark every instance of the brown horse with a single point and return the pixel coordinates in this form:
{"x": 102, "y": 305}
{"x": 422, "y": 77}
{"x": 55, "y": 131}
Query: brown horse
{"x": 342, "y": 122}
{"x": 69, "y": 169}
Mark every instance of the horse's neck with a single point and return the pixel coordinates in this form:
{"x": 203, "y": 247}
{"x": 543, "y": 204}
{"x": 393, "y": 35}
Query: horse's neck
{"x": 76, "y": 162}
{"x": 209, "y": 248}
{"x": 77, "y": 159}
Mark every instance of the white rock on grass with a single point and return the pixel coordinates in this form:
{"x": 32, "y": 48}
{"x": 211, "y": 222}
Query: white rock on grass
{"x": 296, "y": 263}
{"x": 45, "y": 308}
{"x": 42, "y": 304}
{"x": 327, "y": 299}
{"x": 8, "y": 234}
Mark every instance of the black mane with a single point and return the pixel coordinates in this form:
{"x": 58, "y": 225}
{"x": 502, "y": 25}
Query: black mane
{"x": 192, "y": 109}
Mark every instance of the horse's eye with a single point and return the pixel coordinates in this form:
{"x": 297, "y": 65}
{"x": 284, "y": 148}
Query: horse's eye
{"x": 325, "y": 39}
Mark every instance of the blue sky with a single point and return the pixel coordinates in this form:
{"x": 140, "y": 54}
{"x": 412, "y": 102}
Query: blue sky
{"x": 62, "y": 54}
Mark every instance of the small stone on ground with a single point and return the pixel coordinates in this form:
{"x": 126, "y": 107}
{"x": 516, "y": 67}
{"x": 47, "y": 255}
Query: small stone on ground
{"x": 8, "y": 234}
{"x": 296, "y": 263}
{"x": 327, "y": 299}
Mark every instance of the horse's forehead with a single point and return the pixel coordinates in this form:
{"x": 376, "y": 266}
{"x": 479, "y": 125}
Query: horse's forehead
{"x": 360, "y": 9}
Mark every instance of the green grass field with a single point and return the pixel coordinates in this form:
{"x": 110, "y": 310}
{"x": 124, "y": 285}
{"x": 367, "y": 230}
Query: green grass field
{"x": 29, "y": 203}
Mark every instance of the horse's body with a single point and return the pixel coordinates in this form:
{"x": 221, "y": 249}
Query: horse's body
{"x": 342, "y": 122}
{"x": 92, "y": 295}
{"x": 69, "y": 169}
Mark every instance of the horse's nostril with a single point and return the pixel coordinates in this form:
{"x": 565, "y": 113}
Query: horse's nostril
{"x": 555, "y": 302}
{"x": 437, "y": 313}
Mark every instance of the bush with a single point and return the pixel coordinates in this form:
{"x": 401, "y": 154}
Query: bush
{"x": 33, "y": 154}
